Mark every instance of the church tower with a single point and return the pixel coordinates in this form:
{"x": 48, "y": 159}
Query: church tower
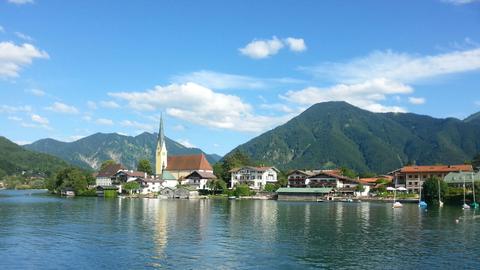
{"x": 161, "y": 153}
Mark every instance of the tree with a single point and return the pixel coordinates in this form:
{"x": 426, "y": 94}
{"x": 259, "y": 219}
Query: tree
{"x": 234, "y": 160}
{"x": 360, "y": 188}
{"x": 71, "y": 178}
{"x": 430, "y": 189}
{"x": 282, "y": 179}
{"x": 216, "y": 185}
{"x": 107, "y": 163}
{"x": 269, "y": 187}
{"x": 145, "y": 166}
{"x": 242, "y": 190}
{"x": 348, "y": 172}
{"x": 130, "y": 186}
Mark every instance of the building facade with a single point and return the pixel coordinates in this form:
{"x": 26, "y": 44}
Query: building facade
{"x": 254, "y": 177}
{"x": 412, "y": 177}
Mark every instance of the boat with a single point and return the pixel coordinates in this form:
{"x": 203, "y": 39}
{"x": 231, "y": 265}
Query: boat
{"x": 232, "y": 197}
{"x": 421, "y": 204}
{"x": 474, "y": 205}
{"x": 440, "y": 203}
{"x": 320, "y": 200}
{"x": 465, "y": 205}
{"x": 397, "y": 205}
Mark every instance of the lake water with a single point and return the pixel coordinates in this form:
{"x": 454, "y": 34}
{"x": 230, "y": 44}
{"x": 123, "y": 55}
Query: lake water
{"x": 38, "y": 231}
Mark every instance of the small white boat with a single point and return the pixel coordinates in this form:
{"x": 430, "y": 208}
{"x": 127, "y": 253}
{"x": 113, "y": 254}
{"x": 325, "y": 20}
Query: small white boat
{"x": 320, "y": 200}
{"x": 440, "y": 203}
{"x": 397, "y": 205}
{"x": 465, "y": 206}
{"x": 232, "y": 197}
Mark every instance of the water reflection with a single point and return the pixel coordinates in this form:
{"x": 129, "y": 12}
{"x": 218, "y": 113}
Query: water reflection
{"x": 38, "y": 232}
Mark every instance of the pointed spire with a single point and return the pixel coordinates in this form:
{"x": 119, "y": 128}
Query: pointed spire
{"x": 161, "y": 135}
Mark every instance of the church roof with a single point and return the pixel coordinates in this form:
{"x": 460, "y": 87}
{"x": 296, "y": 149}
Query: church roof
{"x": 188, "y": 162}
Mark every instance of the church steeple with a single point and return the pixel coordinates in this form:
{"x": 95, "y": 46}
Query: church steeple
{"x": 161, "y": 153}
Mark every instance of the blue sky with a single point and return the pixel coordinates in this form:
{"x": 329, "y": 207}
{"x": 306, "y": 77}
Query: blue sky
{"x": 223, "y": 73}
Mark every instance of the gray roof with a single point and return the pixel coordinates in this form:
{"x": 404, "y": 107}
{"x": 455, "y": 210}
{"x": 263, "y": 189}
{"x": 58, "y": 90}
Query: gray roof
{"x": 460, "y": 177}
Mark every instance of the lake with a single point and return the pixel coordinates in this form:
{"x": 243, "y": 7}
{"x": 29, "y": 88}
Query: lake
{"x": 39, "y": 231}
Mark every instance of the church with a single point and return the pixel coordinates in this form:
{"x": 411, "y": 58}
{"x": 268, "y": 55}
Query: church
{"x": 174, "y": 170}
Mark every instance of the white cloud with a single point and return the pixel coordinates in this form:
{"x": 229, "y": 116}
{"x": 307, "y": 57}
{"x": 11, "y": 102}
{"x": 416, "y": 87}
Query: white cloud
{"x": 258, "y": 49}
{"x": 416, "y": 100}
{"x": 22, "y": 142}
{"x": 21, "y": 2}
{"x": 460, "y": 2}
{"x": 74, "y": 138}
{"x": 92, "y": 105}
{"x": 400, "y": 67}
{"x": 13, "y": 57}
{"x": 366, "y": 95}
{"x": 36, "y": 92}
{"x": 24, "y": 36}
{"x": 15, "y": 109}
{"x": 134, "y": 124}
{"x": 14, "y": 118}
{"x": 296, "y": 44}
{"x": 202, "y": 106}
{"x": 277, "y": 107}
{"x": 40, "y": 120}
{"x": 109, "y": 104}
{"x": 62, "y": 108}
{"x": 220, "y": 81}
{"x": 87, "y": 118}
{"x": 2, "y": 30}
{"x": 186, "y": 143}
{"x": 104, "y": 122}
{"x": 179, "y": 127}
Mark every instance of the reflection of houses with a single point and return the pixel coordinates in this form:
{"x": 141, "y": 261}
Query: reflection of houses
{"x": 412, "y": 177}
{"x": 457, "y": 179}
{"x": 304, "y": 194}
{"x": 199, "y": 179}
{"x": 254, "y": 177}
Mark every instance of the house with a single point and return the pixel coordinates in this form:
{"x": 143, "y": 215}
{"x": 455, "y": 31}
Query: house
{"x": 412, "y": 177}
{"x": 186, "y": 192}
{"x": 199, "y": 179}
{"x": 167, "y": 193}
{"x": 149, "y": 185}
{"x": 168, "y": 180}
{"x": 297, "y": 178}
{"x": 304, "y": 194}
{"x": 124, "y": 176}
{"x": 254, "y": 177}
{"x": 106, "y": 177}
{"x": 457, "y": 179}
{"x": 342, "y": 185}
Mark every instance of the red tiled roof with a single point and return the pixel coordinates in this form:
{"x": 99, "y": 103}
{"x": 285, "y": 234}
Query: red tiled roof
{"x": 110, "y": 170}
{"x": 437, "y": 168}
{"x": 188, "y": 162}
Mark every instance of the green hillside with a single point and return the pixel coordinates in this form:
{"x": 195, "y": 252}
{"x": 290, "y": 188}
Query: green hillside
{"x": 91, "y": 151}
{"x": 15, "y": 160}
{"x": 337, "y": 133}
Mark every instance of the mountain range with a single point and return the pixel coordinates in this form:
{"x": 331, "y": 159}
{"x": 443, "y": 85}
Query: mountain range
{"x": 334, "y": 134}
{"x": 91, "y": 151}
